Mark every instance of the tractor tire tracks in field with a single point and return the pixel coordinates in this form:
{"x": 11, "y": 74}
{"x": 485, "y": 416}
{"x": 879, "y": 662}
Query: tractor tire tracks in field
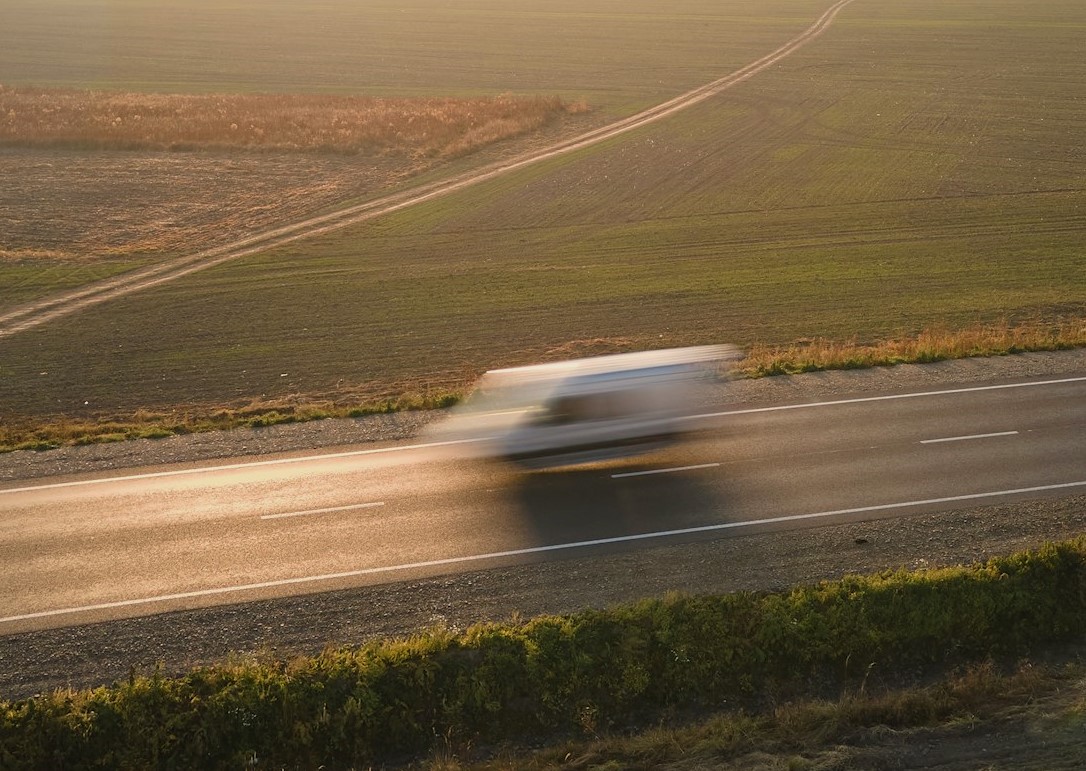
{"x": 50, "y": 308}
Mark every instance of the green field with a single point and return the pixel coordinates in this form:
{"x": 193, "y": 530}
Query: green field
{"x": 919, "y": 165}
{"x": 618, "y": 54}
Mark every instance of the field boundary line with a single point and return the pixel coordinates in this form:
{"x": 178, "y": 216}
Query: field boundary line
{"x": 50, "y": 308}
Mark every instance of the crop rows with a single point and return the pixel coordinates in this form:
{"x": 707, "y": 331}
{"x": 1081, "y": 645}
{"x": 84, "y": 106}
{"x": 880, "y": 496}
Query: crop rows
{"x": 881, "y": 181}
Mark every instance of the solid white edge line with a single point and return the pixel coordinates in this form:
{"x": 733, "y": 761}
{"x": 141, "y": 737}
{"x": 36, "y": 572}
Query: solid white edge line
{"x": 352, "y": 507}
{"x": 862, "y": 399}
{"x": 529, "y": 550}
{"x": 971, "y": 436}
{"x": 425, "y": 445}
{"x": 234, "y": 466}
{"x": 663, "y": 470}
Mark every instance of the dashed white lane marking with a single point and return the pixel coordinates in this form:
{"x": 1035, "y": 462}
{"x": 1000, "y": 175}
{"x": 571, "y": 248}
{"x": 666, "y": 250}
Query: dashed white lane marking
{"x": 427, "y": 445}
{"x": 964, "y": 438}
{"x": 527, "y": 551}
{"x": 663, "y": 470}
{"x": 329, "y": 510}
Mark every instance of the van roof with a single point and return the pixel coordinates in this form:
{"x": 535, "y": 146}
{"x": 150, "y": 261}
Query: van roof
{"x": 620, "y": 362}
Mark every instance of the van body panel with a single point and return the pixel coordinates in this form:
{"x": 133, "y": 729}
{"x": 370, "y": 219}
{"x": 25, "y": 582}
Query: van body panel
{"x": 586, "y": 410}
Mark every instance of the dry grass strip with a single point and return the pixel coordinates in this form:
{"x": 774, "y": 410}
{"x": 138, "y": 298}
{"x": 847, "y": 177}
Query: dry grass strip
{"x": 930, "y": 345}
{"x": 415, "y": 127}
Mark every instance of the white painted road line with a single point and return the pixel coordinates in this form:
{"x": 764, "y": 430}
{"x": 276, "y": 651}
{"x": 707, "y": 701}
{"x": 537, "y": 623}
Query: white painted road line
{"x": 527, "y": 551}
{"x": 971, "y": 436}
{"x": 235, "y": 466}
{"x": 891, "y": 397}
{"x": 663, "y": 470}
{"x": 426, "y": 445}
{"x": 352, "y": 507}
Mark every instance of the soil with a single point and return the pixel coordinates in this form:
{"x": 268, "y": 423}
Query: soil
{"x": 86, "y": 205}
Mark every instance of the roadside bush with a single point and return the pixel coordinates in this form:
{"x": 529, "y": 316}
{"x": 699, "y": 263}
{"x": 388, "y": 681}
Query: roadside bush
{"x": 556, "y": 674}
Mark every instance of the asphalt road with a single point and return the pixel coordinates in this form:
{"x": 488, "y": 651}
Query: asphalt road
{"x": 142, "y": 541}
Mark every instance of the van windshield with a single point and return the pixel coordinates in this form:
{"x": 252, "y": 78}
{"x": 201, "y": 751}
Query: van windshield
{"x": 500, "y": 393}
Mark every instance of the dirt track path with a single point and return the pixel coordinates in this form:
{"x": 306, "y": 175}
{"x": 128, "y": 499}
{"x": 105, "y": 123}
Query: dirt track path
{"x": 48, "y": 309}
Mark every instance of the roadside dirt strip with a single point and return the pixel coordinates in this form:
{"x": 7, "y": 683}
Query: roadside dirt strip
{"x": 43, "y": 311}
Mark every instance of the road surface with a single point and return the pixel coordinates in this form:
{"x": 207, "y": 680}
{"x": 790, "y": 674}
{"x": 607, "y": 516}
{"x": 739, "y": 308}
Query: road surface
{"x": 137, "y": 542}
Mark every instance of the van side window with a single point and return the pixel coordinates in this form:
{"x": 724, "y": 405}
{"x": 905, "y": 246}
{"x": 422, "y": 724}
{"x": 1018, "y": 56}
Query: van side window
{"x": 564, "y": 410}
{"x": 582, "y": 408}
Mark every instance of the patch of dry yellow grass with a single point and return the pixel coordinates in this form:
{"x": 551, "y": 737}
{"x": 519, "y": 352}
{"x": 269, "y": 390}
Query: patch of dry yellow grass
{"x": 930, "y": 345}
{"x": 41, "y": 255}
{"x": 415, "y": 127}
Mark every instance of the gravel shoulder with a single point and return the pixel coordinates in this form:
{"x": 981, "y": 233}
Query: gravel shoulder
{"x": 94, "y": 654}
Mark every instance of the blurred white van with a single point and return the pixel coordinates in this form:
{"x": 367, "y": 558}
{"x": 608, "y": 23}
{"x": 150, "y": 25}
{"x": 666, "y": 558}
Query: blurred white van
{"x": 585, "y": 409}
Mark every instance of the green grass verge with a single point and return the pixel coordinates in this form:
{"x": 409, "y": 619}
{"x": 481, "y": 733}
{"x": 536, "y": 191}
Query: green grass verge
{"x": 50, "y": 435}
{"x": 558, "y": 675}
